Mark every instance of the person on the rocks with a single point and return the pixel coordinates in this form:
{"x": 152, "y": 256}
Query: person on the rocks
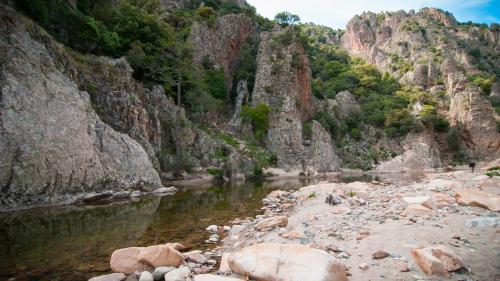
{"x": 472, "y": 165}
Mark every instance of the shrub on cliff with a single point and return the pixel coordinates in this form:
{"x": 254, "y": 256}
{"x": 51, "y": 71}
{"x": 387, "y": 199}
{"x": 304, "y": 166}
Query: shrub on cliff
{"x": 258, "y": 117}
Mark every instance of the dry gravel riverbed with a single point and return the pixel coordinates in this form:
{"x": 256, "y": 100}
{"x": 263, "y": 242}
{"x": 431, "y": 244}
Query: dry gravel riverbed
{"x": 443, "y": 227}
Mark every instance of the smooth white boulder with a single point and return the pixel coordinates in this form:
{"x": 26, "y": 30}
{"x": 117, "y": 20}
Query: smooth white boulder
{"x": 291, "y": 262}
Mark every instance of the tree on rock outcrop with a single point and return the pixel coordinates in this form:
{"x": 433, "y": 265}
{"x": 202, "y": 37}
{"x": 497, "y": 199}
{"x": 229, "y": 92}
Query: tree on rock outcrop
{"x": 286, "y": 18}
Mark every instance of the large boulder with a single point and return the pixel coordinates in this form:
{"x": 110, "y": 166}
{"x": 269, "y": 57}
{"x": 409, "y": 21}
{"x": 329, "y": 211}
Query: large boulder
{"x": 129, "y": 260}
{"x": 478, "y": 198}
{"x": 275, "y": 262}
{"x": 421, "y": 153}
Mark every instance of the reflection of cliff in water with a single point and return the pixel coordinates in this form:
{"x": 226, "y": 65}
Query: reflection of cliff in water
{"x": 70, "y": 238}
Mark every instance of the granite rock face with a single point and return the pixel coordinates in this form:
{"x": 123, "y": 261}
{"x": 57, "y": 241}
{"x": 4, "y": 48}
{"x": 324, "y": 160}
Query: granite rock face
{"x": 54, "y": 147}
{"x": 283, "y": 81}
{"x": 221, "y": 43}
{"x": 421, "y": 153}
{"x": 429, "y": 49}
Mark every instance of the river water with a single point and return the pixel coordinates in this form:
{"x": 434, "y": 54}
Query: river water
{"x": 75, "y": 242}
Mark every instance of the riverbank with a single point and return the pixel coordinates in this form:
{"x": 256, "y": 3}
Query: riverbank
{"x": 395, "y": 228}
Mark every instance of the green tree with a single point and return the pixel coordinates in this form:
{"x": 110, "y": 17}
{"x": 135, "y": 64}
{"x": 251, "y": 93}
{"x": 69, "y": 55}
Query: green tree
{"x": 258, "y": 117}
{"x": 286, "y": 18}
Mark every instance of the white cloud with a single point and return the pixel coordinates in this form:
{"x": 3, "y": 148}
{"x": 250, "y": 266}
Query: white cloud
{"x": 336, "y": 13}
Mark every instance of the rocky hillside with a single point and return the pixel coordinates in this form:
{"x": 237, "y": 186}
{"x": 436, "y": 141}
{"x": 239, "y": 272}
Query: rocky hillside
{"x": 145, "y": 91}
{"x": 432, "y": 50}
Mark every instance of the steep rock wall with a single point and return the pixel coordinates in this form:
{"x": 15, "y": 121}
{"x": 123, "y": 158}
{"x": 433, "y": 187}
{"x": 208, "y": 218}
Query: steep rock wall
{"x": 283, "y": 81}
{"x": 53, "y": 147}
{"x": 222, "y": 42}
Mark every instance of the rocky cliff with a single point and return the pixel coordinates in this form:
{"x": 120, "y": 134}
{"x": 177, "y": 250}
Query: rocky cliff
{"x": 53, "y": 145}
{"x": 430, "y": 49}
{"x": 75, "y": 124}
{"x": 221, "y": 43}
{"x": 283, "y": 81}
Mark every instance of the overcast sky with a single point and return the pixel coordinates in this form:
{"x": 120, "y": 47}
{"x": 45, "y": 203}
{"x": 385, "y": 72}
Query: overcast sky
{"x": 336, "y": 13}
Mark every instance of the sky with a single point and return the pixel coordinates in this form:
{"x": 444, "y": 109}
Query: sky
{"x": 336, "y": 13}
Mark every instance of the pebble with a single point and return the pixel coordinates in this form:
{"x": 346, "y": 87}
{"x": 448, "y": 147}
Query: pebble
{"x": 212, "y": 228}
{"x": 380, "y": 255}
{"x": 146, "y": 276}
{"x": 402, "y": 266}
{"x": 363, "y": 266}
{"x": 159, "y": 272}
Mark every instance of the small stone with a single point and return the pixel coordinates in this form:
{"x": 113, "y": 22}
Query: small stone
{"x": 419, "y": 200}
{"x": 179, "y": 274}
{"x": 135, "y": 194}
{"x": 294, "y": 234}
{"x": 363, "y": 266}
{"x": 417, "y": 210}
{"x": 146, "y": 276}
{"x": 270, "y": 223}
{"x": 195, "y": 256}
{"x": 159, "y": 272}
{"x": 402, "y": 266}
{"x": 109, "y": 277}
{"x": 333, "y": 199}
{"x": 212, "y": 228}
{"x": 380, "y": 255}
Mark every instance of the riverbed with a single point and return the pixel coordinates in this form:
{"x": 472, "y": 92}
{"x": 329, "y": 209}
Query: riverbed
{"x": 75, "y": 242}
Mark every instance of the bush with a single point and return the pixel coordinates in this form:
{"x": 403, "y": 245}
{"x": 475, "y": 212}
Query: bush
{"x": 217, "y": 173}
{"x": 258, "y": 117}
{"x": 216, "y": 83}
{"x": 356, "y": 133}
{"x": 399, "y": 122}
{"x": 307, "y": 130}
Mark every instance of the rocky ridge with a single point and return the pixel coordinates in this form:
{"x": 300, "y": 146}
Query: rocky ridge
{"x": 428, "y": 48}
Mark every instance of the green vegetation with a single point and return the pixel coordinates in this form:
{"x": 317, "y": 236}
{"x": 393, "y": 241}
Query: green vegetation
{"x": 307, "y": 130}
{"x": 258, "y": 117}
{"x": 334, "y": 71}
{"x": 399, "y": 64}
{"x": 286, "y": 18}
{"x": 228, "y": 139}
{"x": 493, "y": 172}
{"x": 412, "y": 26}
{"x": 311, "y": 195}
{"x": 217, "y": 173}
{"x": 484, "y": 81}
